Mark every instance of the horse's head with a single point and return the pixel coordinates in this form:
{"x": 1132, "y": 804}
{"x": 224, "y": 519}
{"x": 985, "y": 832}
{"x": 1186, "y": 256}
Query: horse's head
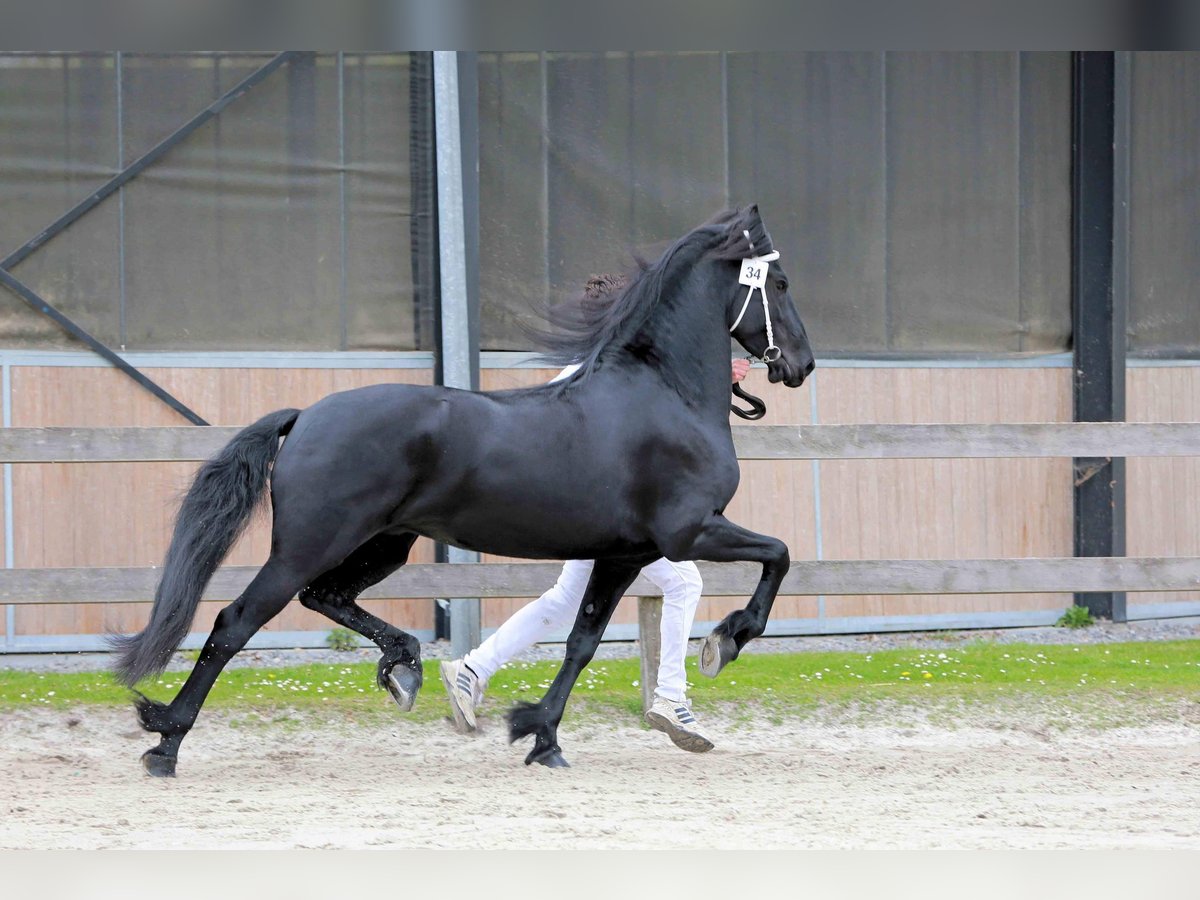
{"x": 759, "y": 310}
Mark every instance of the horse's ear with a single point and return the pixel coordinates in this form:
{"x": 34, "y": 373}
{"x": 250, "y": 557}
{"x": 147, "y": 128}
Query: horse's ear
{"x": 745, "y": 235}
{"x": 752, "y": 222}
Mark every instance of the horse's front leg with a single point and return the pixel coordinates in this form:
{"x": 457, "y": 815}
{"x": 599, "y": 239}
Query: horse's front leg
{"x": 722, "y": 541}
{"x": 608, "y": 582}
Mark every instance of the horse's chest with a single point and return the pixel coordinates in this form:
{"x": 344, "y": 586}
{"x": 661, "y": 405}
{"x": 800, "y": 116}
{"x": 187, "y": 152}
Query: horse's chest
{"x": 726, "y": 475}
{"x": 697, "y": 467}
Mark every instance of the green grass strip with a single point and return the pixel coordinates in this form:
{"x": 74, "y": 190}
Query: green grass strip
{"x": 780, "y": 683}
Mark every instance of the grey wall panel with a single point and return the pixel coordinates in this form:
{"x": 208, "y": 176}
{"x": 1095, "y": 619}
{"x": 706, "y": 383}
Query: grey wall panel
{"x": 240, "y": 225}
{"x": 174, "y": 237}
{"x": 1164, "y": 300}
{"x": 234, "y": 239}
{"x": 677, "y": 143}
{"x": 58, "y": 142}
{"x": 952, "y": 201}
{"x": 921, "y": 200}
{"x": 512, "y": 186}
{"x": 806, "y": 142}
{"x": 1045, "y": 208}
{"x": 379, "y": 280}
{"x": 634, "y": 156}
{"x": 589, "y": 98}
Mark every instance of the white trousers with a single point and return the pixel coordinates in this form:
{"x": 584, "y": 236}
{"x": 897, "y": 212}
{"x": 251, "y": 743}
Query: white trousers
{"x": 556, "y": 609}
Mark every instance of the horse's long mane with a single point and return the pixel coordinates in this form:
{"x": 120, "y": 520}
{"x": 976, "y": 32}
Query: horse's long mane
{"x": 611, "y": 313}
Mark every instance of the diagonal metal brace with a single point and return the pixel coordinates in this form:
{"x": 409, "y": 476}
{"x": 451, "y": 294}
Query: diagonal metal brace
{"x": 27, "y": 294}
{"x": 148, "y": 158}
{"x": 97, "y": 197}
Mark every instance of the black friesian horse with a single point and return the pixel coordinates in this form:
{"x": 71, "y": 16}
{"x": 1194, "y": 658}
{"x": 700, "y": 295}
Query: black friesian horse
{"x": 628, "y": 460}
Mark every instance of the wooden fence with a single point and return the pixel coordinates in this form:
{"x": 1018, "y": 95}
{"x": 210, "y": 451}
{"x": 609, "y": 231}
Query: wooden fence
{"x": 825, "y": 577}
{"x": 1079, "y": 439}
{"x": 833, "y": 577}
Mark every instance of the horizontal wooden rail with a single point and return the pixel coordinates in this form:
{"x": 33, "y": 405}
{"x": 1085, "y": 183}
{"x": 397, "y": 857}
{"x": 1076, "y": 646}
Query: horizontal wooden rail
{"x": 1070, "y": 439}
{"x": 168, "y": 444}
{"x": 1084, "y": 439}
{"x": 831, "y": 577}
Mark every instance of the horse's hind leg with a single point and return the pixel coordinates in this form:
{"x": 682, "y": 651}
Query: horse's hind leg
{"x": 265, "y": 596}
{"x": 609, "y": 580}
{"x": 334, "y": 593}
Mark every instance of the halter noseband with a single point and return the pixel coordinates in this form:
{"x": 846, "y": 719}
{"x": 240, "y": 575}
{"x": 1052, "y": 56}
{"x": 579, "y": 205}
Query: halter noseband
{"x": 756, "y": 278}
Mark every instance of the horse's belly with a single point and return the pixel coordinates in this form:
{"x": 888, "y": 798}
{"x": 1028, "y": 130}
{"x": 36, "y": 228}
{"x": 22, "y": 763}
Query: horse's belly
{"x": 526, "y": 531}
{"x": 535, "y": 547}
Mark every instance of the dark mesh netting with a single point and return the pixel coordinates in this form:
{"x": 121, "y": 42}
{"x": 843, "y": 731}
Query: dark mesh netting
{"x": 921, "y": 200}
{"x": 285, "y": 223}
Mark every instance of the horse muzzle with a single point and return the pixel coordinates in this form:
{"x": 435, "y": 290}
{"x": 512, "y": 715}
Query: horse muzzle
{"x": 791, "y": 375}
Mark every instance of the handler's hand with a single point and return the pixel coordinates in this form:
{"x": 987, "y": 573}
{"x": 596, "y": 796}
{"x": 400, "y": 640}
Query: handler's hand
{"x": 741, "y": 368}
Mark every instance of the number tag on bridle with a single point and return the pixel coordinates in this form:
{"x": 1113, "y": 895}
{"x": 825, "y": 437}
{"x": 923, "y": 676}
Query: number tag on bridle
{"x": 754, "y": 273}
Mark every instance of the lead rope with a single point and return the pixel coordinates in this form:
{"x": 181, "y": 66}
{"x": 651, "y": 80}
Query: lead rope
{"x": 757, "y": 409}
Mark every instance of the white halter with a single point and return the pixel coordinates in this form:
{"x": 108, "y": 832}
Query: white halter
{"x": 757, "y": 278}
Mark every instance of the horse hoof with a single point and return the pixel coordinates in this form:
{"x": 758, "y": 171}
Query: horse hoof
{"x": 717, "y": 651}
{"x": 551, "y": 759}
{"x": 403, "y": 684}
{"x": 158, "y": 764}
{"x": 554, "y": 761}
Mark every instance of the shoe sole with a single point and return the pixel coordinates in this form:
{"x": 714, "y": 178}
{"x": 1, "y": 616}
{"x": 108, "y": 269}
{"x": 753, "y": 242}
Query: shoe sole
{"x": 684, "y": 740}
{"x": 461, "y": 723}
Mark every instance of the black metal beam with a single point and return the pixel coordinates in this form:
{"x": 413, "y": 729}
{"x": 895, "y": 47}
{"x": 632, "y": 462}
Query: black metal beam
{"x": 423, "y": 222}
{"x": 1098, "y": 313}
{"x": 27, "y": 294}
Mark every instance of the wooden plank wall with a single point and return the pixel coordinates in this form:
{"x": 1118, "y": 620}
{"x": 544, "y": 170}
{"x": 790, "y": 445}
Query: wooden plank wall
{"x": 120, "y": 514}
{"x": 945, "y": 508}
{"x": 117, "y": 514}
{"x": 1162, "y": 505}
{"x": 897, "y": 508}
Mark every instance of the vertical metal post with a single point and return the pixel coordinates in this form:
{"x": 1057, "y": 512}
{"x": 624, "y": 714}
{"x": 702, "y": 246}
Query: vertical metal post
{"x": 818, "y": 533}
{"x": 468, "y": 144}
{"x": 10, "y": 611}
{"x": 122, "y": 324}
{"x": 1099, "y": 301}
{"x": 423, "y": 245}
{"x": 344, "y": 308}
{"x": 544, "y": 164}
{"x": 456, "y": 356}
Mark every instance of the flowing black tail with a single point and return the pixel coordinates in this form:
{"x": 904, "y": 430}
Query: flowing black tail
{"x": 213, "y": 514}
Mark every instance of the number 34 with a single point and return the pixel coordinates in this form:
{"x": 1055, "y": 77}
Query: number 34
{"x": 753, "y": 274}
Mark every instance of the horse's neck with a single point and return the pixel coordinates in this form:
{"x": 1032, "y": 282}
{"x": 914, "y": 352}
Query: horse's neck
{"x": 690, "y": 344}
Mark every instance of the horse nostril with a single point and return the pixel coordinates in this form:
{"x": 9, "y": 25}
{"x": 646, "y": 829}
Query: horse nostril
{"x": 812, "y": 364}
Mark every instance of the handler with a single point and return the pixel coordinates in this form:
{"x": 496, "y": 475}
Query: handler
{"x": 465, "y": 678}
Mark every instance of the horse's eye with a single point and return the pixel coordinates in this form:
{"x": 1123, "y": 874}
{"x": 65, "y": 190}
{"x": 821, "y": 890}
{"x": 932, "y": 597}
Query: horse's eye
{"x": 781, "y": 286}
